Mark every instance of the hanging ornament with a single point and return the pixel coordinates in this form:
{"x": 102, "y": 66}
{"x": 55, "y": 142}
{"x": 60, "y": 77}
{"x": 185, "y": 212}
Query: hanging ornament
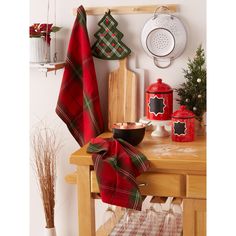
{"x": 194, "y": 108}
{"x": 187, "y": 100}
{"x": 199, "y": 95}
{"x": 199, "y": 80}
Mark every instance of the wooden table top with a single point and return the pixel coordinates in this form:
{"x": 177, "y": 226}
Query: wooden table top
{"x": 163, "y": 153}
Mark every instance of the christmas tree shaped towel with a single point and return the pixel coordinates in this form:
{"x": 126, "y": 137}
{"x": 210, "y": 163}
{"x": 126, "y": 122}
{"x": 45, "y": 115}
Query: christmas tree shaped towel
{"x": 109, "y": 45}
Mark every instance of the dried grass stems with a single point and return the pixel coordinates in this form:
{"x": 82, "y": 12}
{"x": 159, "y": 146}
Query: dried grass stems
{"x": 46, "y": 147}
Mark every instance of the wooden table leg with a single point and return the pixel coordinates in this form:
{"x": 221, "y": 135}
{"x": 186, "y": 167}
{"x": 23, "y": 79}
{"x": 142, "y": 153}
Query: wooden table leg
{"x": 194, "y": 217}
{"x": 86, "y": 210}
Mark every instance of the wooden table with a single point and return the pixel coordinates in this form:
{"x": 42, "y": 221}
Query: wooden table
{"x": 177, "y": 169}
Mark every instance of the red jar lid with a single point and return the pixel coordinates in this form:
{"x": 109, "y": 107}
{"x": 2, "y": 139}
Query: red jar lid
{"x": 183, "y": 113}
{"x": 159, "y": 87}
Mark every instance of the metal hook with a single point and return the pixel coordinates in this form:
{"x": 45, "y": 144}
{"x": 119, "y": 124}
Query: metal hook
{"x": 55, "y": 57}
{"x": 161, "y": 9}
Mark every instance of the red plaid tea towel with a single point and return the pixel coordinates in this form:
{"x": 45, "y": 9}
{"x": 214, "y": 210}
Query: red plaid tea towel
{"x": 117, "y": 164}
{"x": 78, "y": 103}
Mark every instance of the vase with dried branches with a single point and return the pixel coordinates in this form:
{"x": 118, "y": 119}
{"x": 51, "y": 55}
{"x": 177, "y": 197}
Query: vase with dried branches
{"x": 45, "y": 149}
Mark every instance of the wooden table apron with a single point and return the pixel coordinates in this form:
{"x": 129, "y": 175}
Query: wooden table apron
{"x": 177, "y": 169}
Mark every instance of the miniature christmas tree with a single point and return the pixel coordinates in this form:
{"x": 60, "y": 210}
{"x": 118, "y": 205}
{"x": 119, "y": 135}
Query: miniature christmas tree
{"x": 109, "y": 45}
{"x": 192, "y": 93}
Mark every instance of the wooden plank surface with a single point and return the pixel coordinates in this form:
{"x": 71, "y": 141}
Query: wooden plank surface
{"x": 154, "y": 184}
{"x": 194, "y": 217}
{"x": 162, "y": 153}
{"x": 86, "y": 211}
{"x": 196, "y": 186}
{"x": 122, "y": 95}
{"x": 71, "y": 178}
{"x": 136, "y": 9}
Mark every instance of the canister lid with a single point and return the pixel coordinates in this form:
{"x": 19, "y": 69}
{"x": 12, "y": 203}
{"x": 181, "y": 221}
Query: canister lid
{"x": 159, "y": 87}
{"x": 183, "y": 112}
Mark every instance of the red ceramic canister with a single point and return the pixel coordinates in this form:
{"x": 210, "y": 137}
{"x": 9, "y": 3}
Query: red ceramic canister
{"x": 183, "y": 125}
{"x": 159, "y": 101}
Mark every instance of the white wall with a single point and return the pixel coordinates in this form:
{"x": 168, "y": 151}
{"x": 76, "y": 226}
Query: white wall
{"x": 44, "y": 90}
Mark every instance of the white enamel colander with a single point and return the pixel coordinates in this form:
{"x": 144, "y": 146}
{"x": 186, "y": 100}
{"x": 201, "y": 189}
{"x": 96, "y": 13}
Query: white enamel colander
{"x": 164, "y": 38}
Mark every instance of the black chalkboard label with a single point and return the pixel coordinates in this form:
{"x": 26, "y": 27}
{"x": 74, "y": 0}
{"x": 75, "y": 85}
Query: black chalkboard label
{"x": 180, "y": 128}
{"x": 156, "y": 105}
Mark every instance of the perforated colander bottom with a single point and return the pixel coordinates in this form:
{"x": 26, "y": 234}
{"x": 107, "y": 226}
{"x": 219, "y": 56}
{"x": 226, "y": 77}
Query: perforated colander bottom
{"x": 160, "y": 42}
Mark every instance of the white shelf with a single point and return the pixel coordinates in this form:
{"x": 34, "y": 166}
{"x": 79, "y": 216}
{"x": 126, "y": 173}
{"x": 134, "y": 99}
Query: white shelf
{"x": 46, "y": 67}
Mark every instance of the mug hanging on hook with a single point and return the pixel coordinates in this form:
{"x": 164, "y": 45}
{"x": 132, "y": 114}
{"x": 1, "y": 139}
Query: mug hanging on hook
{"x": 163, "y": 37}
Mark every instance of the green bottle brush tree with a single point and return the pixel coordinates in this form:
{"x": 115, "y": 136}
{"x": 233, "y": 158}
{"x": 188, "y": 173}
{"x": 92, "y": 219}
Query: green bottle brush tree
{"x": 192, "y": 93}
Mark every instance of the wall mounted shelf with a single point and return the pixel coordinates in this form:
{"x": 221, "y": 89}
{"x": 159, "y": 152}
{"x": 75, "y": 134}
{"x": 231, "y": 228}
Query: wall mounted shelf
{"x": 142, "y": 9}
{"x": 47, "y": 67}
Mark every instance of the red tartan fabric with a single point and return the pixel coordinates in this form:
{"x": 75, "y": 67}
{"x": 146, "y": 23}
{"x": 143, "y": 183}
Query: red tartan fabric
{"x": 78, "y": 103}
{"x": 117, "y": 164}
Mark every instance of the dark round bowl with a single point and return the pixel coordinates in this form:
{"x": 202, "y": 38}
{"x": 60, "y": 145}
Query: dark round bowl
{"x": 132, "y": 132}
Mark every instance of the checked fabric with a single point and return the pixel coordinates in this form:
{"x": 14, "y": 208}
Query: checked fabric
{"x": 109, "y": 45}
{"x": 117, "y": 164}
{"x": 78, "y": 102}
{"x": 140, "y": 224}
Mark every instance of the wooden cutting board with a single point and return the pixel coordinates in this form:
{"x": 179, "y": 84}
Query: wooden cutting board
{"x": 122, "y": 95}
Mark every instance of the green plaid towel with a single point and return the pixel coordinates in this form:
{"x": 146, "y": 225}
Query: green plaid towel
{"x": 109, "y": 45}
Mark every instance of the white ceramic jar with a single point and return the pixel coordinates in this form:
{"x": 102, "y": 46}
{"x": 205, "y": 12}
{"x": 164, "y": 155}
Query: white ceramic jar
{"x": 39, "y": 50}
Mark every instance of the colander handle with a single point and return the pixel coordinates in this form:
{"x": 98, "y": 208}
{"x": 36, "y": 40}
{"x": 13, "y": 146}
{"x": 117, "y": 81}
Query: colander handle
{"x": 161, "y": 9}
{"x": 157, "y": 63}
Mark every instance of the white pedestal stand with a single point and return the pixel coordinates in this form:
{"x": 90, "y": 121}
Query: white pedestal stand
{"x": 160, "y": 130}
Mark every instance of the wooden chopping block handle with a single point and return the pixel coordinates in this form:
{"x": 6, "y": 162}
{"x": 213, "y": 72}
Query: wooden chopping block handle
{"x": 122, "y": 95}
